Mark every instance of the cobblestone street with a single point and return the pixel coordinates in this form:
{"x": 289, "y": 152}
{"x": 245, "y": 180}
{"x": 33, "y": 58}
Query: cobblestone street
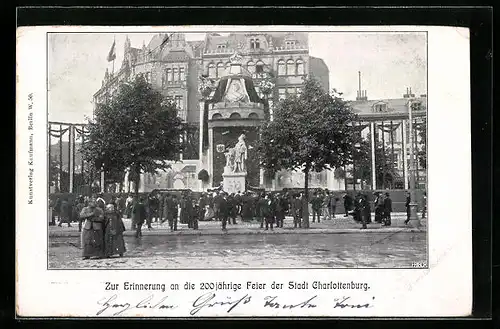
{"x": 330, "y": 244}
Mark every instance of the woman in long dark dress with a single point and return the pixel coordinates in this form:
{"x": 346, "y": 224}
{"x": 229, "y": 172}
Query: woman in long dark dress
{"x": 93, "y": 231}
{"x": 113, "y": 234}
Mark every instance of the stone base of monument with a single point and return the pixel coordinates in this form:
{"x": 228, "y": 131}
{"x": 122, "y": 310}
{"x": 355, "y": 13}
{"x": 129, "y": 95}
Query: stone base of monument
{"x": 234, "y": 182}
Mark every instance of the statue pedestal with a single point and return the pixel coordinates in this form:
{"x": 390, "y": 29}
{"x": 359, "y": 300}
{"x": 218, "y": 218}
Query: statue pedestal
{"x": 233, "y": 182}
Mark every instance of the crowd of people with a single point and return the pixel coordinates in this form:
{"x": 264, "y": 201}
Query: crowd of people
{"x": 102, "y": 227}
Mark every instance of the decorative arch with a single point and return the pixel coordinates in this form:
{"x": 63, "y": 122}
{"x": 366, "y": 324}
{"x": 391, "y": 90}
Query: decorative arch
{"x": 290, "y": 67}
{"x": 251, "y": 67}
{"x": 253, "y": 115}
{"x": 212, "y": 73}
{"x": 220, "y": 69}
{"x": 281, "y": 67}
{"x": 216, "y": 116}
{"x": 235, "y": 115}
{"x": 300, "y": 66}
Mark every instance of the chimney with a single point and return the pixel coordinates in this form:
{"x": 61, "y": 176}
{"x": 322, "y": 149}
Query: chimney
{"x": 361, "y": 94}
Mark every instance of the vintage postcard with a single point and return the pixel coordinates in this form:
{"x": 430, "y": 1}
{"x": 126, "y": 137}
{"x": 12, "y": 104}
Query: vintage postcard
{"x": 243, "y": 171}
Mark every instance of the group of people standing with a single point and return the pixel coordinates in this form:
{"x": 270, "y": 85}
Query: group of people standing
{"x": 360, "y": 208}
{"x": 102, "y": 231}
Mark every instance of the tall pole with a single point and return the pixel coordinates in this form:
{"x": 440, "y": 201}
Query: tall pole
{"x": 372, "y": 137}
{"x": 414, "y": 221}
{"x": 71, "y": 157}
{"x": 403, "y": 153}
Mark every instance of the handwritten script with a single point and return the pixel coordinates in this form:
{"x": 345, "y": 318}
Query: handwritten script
{"x": 114, "y": 306}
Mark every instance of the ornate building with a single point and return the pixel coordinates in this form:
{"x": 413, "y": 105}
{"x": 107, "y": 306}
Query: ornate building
{"x": 174, "y": 67}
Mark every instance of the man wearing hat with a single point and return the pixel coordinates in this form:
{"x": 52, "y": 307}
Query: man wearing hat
{"x": 387, "y": 210}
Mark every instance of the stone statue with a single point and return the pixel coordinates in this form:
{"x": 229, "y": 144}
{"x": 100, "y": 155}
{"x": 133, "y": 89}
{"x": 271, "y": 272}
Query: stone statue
{"x": 240, "y": 154}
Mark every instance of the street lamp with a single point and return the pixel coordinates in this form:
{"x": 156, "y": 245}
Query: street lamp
{"x": 414, "y": 220}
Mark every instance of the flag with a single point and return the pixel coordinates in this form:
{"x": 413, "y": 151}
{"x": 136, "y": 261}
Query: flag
{"x": 112, "y": 53}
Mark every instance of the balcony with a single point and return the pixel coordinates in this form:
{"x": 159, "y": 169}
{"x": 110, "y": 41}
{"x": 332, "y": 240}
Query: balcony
{"x": 236, "y": 111}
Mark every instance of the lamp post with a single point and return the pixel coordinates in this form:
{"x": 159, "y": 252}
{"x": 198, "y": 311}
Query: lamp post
{"x": 357, "y": 146}
{"x": 414, "y": 221}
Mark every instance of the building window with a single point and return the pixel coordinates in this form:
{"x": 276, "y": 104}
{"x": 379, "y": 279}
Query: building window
{"x": 176, "y": 73}
{"x": 220, "y": 70}
{"x": 179, "y": 104}
{"x": 228, "y": 67}
{"x": 251, "y": 67}
{"x": 148, "y": 77}
{"x": 169, "y": 75}
{"x": 221, "y": 46}
{"x": 211, "y": 70}
{"x": 290, "y": 91}
{"x": 182, "y": 74}
{"x": 300, "y": 67}
{"x": 282, "y": 93}
{"x": 290, "y": 43}
{"x": 380, "y": 108}
{"x": 254, "y": 43}
{"x": 290, "y": 67}
{"x": 259, "y": 68}
{"x": 299, "y": 92}
{"x": 281, "y": 67}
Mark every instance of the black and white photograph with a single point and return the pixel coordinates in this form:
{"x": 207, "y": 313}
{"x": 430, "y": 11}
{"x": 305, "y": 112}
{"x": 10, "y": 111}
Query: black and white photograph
{"x": 256, "y": 149}
{"x": 243, "y": 171}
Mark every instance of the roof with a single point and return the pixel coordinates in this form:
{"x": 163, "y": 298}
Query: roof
{"x": 197, "y": 47}
{"x": 233, "y": 40}
{"x": 175, "y": 56}
{"x": 393, "y": 104}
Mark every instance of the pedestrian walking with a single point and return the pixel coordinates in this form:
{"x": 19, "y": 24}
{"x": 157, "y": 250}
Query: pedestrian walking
{"x": 113, "y": 234}
{"x": 93, "y": 231}
{"x": 139, "y": 215}
{"x": 217, "y": 201}
{"x": 387, "y": 209}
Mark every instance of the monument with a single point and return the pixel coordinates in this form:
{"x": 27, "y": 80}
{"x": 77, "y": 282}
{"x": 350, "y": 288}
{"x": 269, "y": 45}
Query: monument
{"x": 234, "y": 176}
{"x": 235, "y": 115}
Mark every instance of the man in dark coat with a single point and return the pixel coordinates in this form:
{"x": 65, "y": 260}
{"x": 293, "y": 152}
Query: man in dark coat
{"x": 364, "y": 210}
{"x": 266, "y": 208}
{"x": 139, "y": 215}
{"x": 232, "y": 208}
{"x": 378, "y": 203}
{"x": 297, "y": 211}
{"x": 247, "y": 211}
{"x": 78, "y": 209}
{"x": 65, "y": 213}
{"x": 317, "y": 203}
{"x": 387, "y": 210}
{"x": 348, "y": 203}
{"x": 223, "y": 210}
{"x": 261, "y": 202}
{"x": 407, "y": 205}
{"x": 217, "y": 202}
{"x": 279, "y": 210}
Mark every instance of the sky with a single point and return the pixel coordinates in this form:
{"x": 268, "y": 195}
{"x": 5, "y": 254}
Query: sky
{"x": 388, "y": 62}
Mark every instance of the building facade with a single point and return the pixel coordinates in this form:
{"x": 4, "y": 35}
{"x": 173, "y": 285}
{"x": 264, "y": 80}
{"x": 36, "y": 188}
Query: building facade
{"x": 174, "y": 67}
{"x": 388, "y": 121}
